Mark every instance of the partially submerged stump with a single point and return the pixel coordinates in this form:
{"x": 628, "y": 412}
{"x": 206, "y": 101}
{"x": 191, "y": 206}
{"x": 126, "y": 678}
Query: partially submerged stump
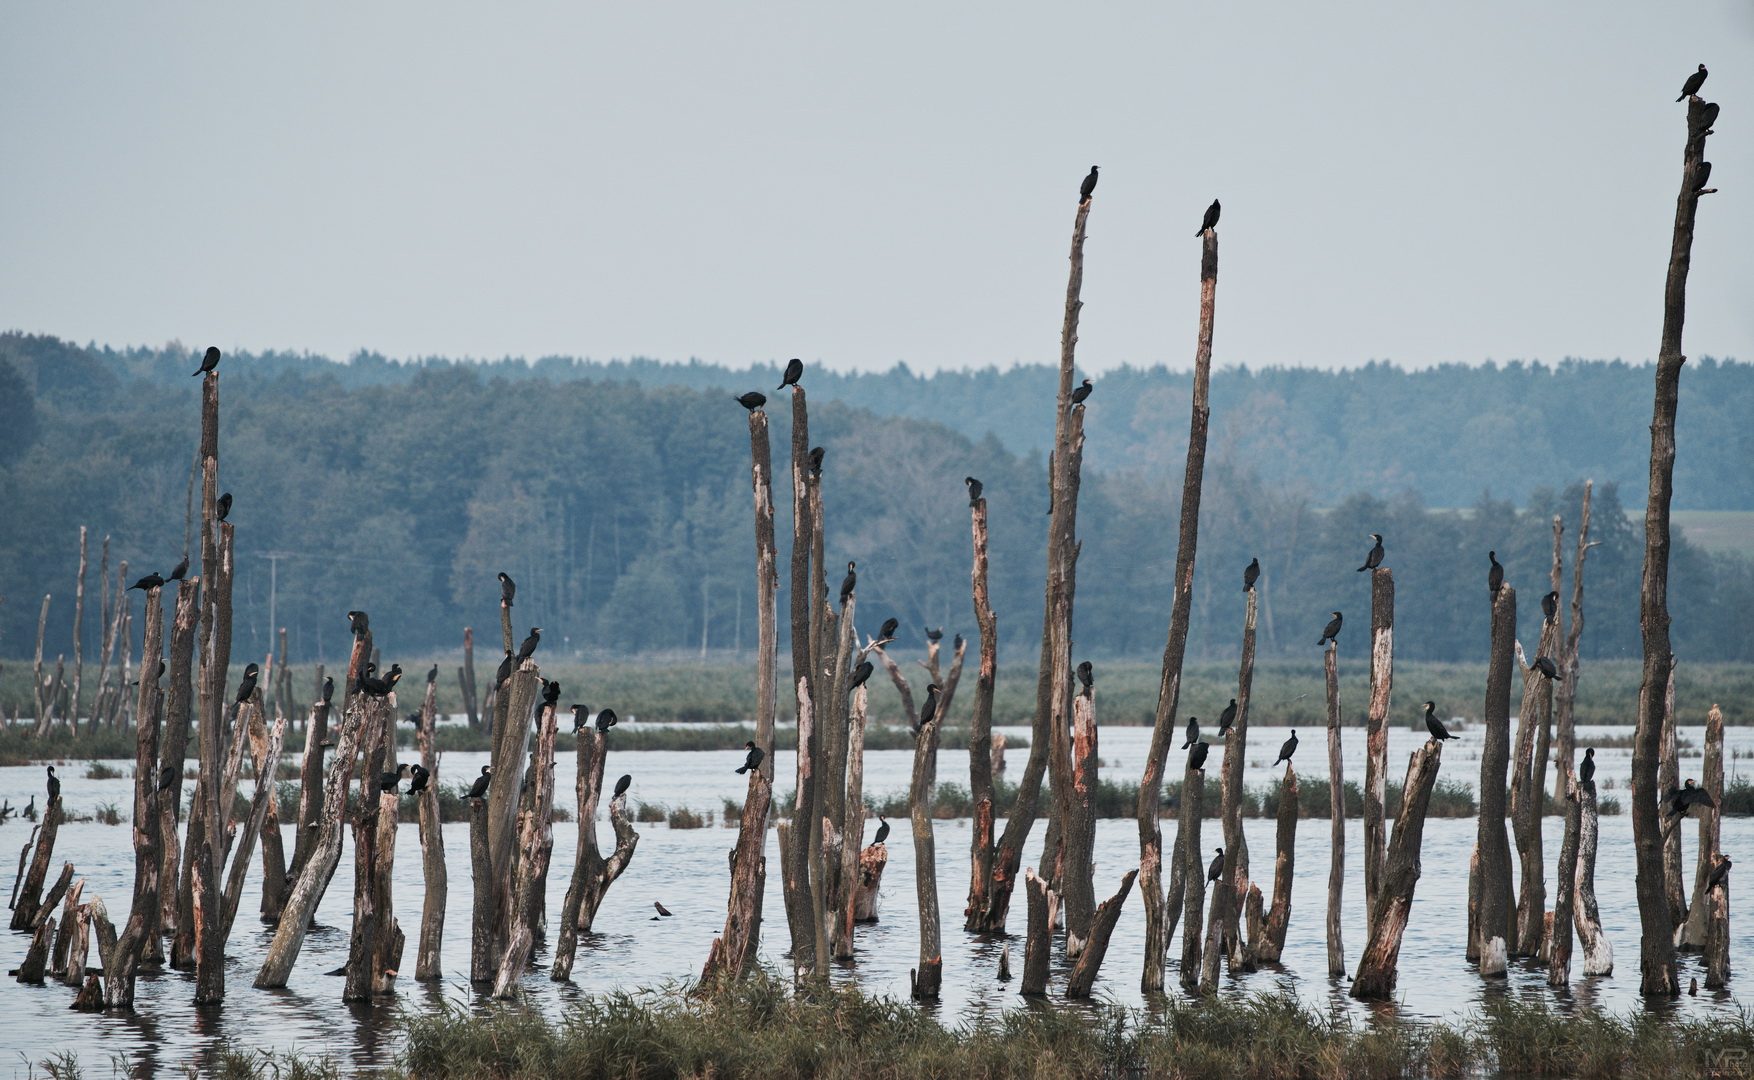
{"x": 1038, "y": 943}
{"x": 733, "y": 951}
{"x": 1272, "y": 939}
{"x": 432, "y": 850}
{"x": 30, "y": 899}
{"x": 1336, "y": 815}
{"x": 1559, "y": 932}
{"x": 593, "y": 874}
{"x": 1696, "y": 930}
{"x": 1394, "y": 899}
{"x": 1494, "y": 931}
{"x": 1108, "y": 913}
{"x": 871, "y": 863}
{"x": 1598, "y": 953}
{"x": 927, "y": 979}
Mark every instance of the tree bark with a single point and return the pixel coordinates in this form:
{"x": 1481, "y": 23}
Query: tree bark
{"x": 1376, "y": 741}
{"x": 267, "y": 762}
{"x": 30, "y": 903}
{"x": 1698, "y": 927}
{"x": 1668, "y": 779}
{"x": 1717, "y": 935}
{"x": 481, "y": 909}
{"x": 206, "y": 896}
{"x": 766, "y": 608}
{"x": 1279, "y": 915}
{"x": 1236, "y": 854}
{"x": 121, "y": 963}
{"x": 795, "y": 858}
{"x": 1108, "y": 913}
{"x": 34, "y": 969}
{"x": 927, "y": 980}
{"x": 1565, "y": 694}
{"x": 1394, "y": 898}
{"x": 1039, "y": 942}
{"x": 1598, "y": 953}
{"x": 1193, "y": 811}
{"x": 1077, "y": 814}
{"x": 511, "y": 744}
{"x": 535, "y": 847}
{"x": 1565, "y": 892}
{"x": 172, "y": 753}
{"x": 853, "y": 837}
{"x": 1528, "y": 787}
{"x": 983, "y": 854}
{"x": 1336, "y": 815}
{"x": 427, "y": 957}
{"x": 733, "y": 951}
{"x": 371, "y": 917}
{"x": 1493, "y": 933}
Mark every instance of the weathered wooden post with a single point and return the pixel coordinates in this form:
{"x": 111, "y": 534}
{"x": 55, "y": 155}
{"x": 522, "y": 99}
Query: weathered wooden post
{"x": 1565, "y": 889}
{"x": 1336, "y": 813}
{"x": 733, "y": 951}
{"x": 1394, "y": 898}
{"x": 1102, "y": 927}
{"x": 1669, "y": 779}
{"x": 1493, "y": 930}
{"x": 1657, "y": 976}
{"x": 1236, "y": 854}
{"x": 1598, "y": 953}
{"x": 1157, "y": 933}
{"x": 1272, "y": 944}
{"x": 535, "y": 845}
{"x": 121, "y": 962}
{"x": 592, "y": 873}
{"x": 432, "y": 845}
{"x": 1193, "y": 811}
{"x": 926, "y": 980}
{"x": 1697, "y": 930}
{"x": 1528, "y": 787}
{"x": 980, "y": 738}
{"x": 1376, "y": 739}
{"x": 1565, "y": 694}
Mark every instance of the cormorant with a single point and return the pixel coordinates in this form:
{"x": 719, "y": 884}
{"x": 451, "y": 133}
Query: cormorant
{"x": 478, "y": 789}
{"x": 166, "y": 777}
{"x": 506, "y": 667}
{"x": 1708, "y": 117}
{"x": 421, "y": 776}
{"x": 1704, "y": 177}
{"x": 1082, "y": 392}
{"x": 886, "y": 632}
{"x": 1287, "y": 750}
{"x": 1587, "y": 771}
{"x": 929, "y": 710}
{"x": 359, "y": 622}
{"x": 816, "y": 454}
{"x": 1550, "y": 606}
{"x": 663, "y": 911}
{"x": 606, "y": 719}
{"x": 179, "y": 570}
{"x": 1332, "y": 632}
{"x": 211, "y": 359}
{"x": 751, "y": 400}
{"x": 934, "y": 635}
{"x": 623, "y": 784}
{"x": 150, "y": 581}
{"x": 1089, "y": 185}
{"x": 1226, "y": 718}
{"x": 1684, "y": 799}
{"x": 412, "y": 718}
{"x": 1544, "y": 664}
{"x": 1719, "y": 874}
{"x": 1688, "y": 89}
{"x": 1211, "y": 218}
{"x": 794, "y": 372}
{"x": 508, "y": 589}
{"x": 1494, "y": 575}
{"x": 1374, "y": 559}
{"x": 224, "y": 505}
{"x": 882, "y": 833}
{"x": 1434, "y": 725}
{"x": 956, "y": 643}
{"x": 1193, "y": 732}
{"x": 1215, "y": 869}
{"x": 1197, "y": 756}
{"x": 581, "y": 714}
{"x": 30, "y": 809}
{"x": 528, "y": 647}
{"x": 753, "y": 759}
{"x": 860, "y": 674}
{"x": 1086, "y": 675}
{"x": 55, "y": 785}
{"x": 847, "y": 583}
{"x": 551, "y": 694}
{"x": 432, "y": 675}
{"x": 159, "y": 674}
{"x": 372, "y": 686}
{"x": 388, "y": 781}
{"x": 974, "y": 490}
{"x": 1251, "y": 574}
{"x": 248, "y": 685}
{"x": 328, "y": 689}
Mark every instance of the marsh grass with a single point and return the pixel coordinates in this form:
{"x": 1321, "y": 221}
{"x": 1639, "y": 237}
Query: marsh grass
{"x": 97, "y": 770}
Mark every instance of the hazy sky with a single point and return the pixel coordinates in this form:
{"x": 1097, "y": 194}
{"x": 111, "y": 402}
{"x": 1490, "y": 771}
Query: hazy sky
{"x": 861, "y": 184}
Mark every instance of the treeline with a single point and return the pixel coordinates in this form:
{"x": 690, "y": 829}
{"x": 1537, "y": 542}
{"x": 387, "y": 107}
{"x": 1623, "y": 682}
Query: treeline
{"x": 624, "y": 513}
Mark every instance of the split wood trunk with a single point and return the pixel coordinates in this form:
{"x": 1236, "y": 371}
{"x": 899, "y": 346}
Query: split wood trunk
{"x": 427, "y": 958}
{"x": 1717, "y": 933}
{"x": 1193, "y": 811}
{"x": 1236, "y": 853}
{"x": 1598, "y": 953}
{"x": 1108, "y": 913}
{"x": 1336, "y": 815}
{"x": 1710, "y": 828}
{"x": 267, "y": 762}
{"x": 1565, "y": 890}
{"x": 535, "y": 846}
{"x": 1377, "y": 968}
{"x": 207, "y": 899}
{"x": 1376, "y": 740}
{"x": 29, "y": 903}
{"x": 1078, "y": 833}
{"x": 1669, "y": 779}
{"x": 928, "y": 978}
{"x": 121, "y": 962}
{"x": 766, "y": 588}
{"x": 1494, "y": 930}
{"x": 1272, "y": 939}
{"x": 733, "y": 951}
{"x": 1528, "y": 787}
{"x": 481, "y": 911}
{"x": 981, "y": 741}
{"x": 602, "y": 873}
{"x": 371, "y": 919}
{"x": 1038, "y": 944}
{"x": 853, "y": 838}
{"x": 1565, "y": 694}
{"x": 871, "y": 863}
{"x": 795, "y": 839}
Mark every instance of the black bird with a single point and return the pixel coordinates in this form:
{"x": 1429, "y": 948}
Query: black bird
{"x": 816, "y": 454}
{"x": 248, "y": 685}
{"x": 413, "y": 718}
{"x": 1719, "y": 874}
{"x": 1684, "y": 799}
{"x": 167, "y": 776}
{"x": 179, "y": 570}
{"x": 30, "y": 809}
{"x": 752, "y": 760}
{"x": 388, "y": 781}
{"x": 606, "y": 719}
{"x": 528, "y": 647}
{"x": 1083, "y": 391}
{"x": 1197, "y": 756}
{"x": 478, "y": 789}
{"x": 1288, "y": 749}
{"x": 1587, "y": 771}
{"x": 1086, "y": 675}
{"x": 956, "y": 643}
{"x": 551, "y": 694}
{"x": 1193, "y": 732}
{"x": 1688, "y": 89}
{"x": 372, "y": 686}
{"x": 1251, "y": 574}
{"x": 1332, "y": 632}
{"x": 506, "y": 667}
{"x": 882, "y": 833}
{"x": 359, "y": 621}
{"x": 974, "y": 490}
{"x": 934, "y": 635}
{"x": 1708, "y": 117}
{"x": 860, "y": 674}
{"x": 751, "y": 400}
{"x": 1704, "y": 177}
{"x": 1434, "y": 725}
{"x": 663, "y": 912}
{"x": 328, "y": 689}
{"x": 1374, "y": 559}
{"x": 581, "y": 714}
{"x": 886, "y": 632}
{"x": 929, "y": 710}
{"x": 1550, "y": 606}
{"x": 1227, "y": 718}
{"x": 1215, "y": 869}
{"x": 1211, "y": 217}
{"x": 421, "y": 776}
{"x": 1494, "y": 575}
{"x": 224, "y": 505}
{"x": 150, "y": 581}
{"x": 1544, "y": 664}
{"x": 55, "y": 785}
{"x": 623, "y": 784}
{"x": 211, "y": 359}
{"x": 507, "y": 588}
{"x": 159, "y": 674}
{"x": 1089, "y": 185}
{"x": 432, "y": 675}
{"x": 393, "y": 676}
{"x": 794, "y": 372}
{"x": 847, "y": 583}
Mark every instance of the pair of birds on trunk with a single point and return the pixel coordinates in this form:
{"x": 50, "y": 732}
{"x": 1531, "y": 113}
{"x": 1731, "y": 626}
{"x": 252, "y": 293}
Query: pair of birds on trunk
{"x": 754, "y": 399}
{"x": 581, "y": 715}
{"x": 372, "y": 686}
{"x": 389, "y": 782}
{"x": 1088, "y": 188}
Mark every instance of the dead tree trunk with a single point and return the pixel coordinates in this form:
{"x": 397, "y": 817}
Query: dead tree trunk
{"x": 983, "y": 853}
{"x": 795, "y": 837}
{"x": 29, "y": 903}
{"x": 1565, "y": 694}
{"x": 38, "y": 687}
{"x": 853, "y": 836}
{"x": 1657, "y": 976}
{"x": 1193, "y": 811}
{"x": 1528, "y": 787}
{"x": 1376, "y": 740}
{"x": 370, "y": 919}
{"x": 1038, "y": 943}
{"x": 592, "y": 873}
{"x": 1272, "y": 944}
{"x": 1598, "y": 953}
{"x": 1236, "y": 853}
{"x": 1717, "y": 934}
{"x": 1668, "y": 779}
{"x": 79, "y": 643}
{"x": 1077, "y": 813}
{"x": 1493, "y": 933}
{"x": 1394, "y": 898}
{"x": 733, "y": 952}
{"x": 535, "y": 845}
{"x": 481, "y": 878}
{"x": 1336, "y": 815}
{"x": 466, "y": 680}
{"x": 310, "y": 794}
{"x": 1698, "y": 926}
{"x": 267, "y": 762}
{"x": 427, "y": 959}
{"x": 511, "y": 738}
{"x": 1169, "y": 688}
{"x": 174, "y": 749}
{"x": 121, "y": 962}
{"x": 1108, "y": 913}
{"x": 1565, "y": 892}
{"x": 206, "y": 897}
{"x": 766, "y": 606}
{"x": 928, "y": 978}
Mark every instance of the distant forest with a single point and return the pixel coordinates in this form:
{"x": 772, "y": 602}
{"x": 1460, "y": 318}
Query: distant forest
{"x": 618, "y": 496}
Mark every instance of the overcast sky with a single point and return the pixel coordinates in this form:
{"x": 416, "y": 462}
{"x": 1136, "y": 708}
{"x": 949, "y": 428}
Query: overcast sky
{"x": 862, "y": 184}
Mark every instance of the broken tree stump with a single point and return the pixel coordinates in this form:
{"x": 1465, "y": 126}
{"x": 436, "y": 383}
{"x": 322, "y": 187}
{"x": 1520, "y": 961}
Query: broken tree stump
{"x": 1598, "y": 953}
{"x": 30, "y": 902}
{"x": 1279, "y": 915}
{"x": 1394, "y": 899}
{"x": 1108, "y": 913}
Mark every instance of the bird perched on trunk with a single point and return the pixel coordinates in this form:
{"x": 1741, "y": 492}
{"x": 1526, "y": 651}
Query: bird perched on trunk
{"x": 388, "y": 781}
{"x": 623, "y": 784}
{"x": 412, "y": 719}
{"x": 149, "y": 582}
{"x": 55, "y": 785}
{"x": 1082, "y": 392}
{"x": 751, "y": 400}
{"x": 223, "y": 506}
{"x": 1197, "y": 756}
{"x": 1215, "y": 869}
{"x": 886, "y": 632}
{"x": 421, "y": 776}
{"x": 1494, "y": 573}
{"x": 550, "y": 693}
{"x": 929, "y": 710}
{"x": 1089, "y": 185}
{"x": 1288, "y": 749}
{"x": 847, "y": 583}
{"x": 210, "y": 360}
{"x": 606, "y": 719}
{"x": 1688, "y": 89}
{"x": 478, "y": 789}
{"x": 1193, "y": 732}
{"x": 1332, "y": 632}
{"x": 1251, "y": 574}
{"x": 179, "y": 571}
{"x": 1550, "y": 606}
{"x": 1374, "y": 559}
{"x": 1703, "y": 179}
{"x": 1719, "y": 873}
{"x": 794, "y": 372}
{"x": 508, "y": 589}
{"x": 528, "y": 646}
{"x": 956, "y": 643}
{"x": 882, "y": 833}
{"x": 1211, "y": 219}
{"x": 359, "y": 622}
{"x": 506, "y": 667}
{"x": 581, "y": 714}
{"x": 372, "y": 686}
{"x": 328, "y": 689}
{"x": 974, "y": 490}
{"x": 752, "y": 760}
{"x": 432, "y": 675}
{"x": 166, "y": 777}
{"x": 1683, "y": 799}
{"x": 1545, "y": 665}
{"x": 934, "y": 635}
{"x": 1226, "y": 718}
{"x": 816, "y": 455}
{"x": 860, "y": 674}
{"x": 1086, "y": 675}
{"x": 248, "y": 685}
{"x": 1434, "y": 725}
{"x": 1587, "y": 771}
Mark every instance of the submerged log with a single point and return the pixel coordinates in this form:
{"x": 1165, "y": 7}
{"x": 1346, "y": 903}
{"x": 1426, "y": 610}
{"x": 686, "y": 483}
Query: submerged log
{"x": 1394, "y": 898}
{"x": 1598, "y": 953}
{"x": 1108, "y": 913}
{"x": 1272, "y": 940}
